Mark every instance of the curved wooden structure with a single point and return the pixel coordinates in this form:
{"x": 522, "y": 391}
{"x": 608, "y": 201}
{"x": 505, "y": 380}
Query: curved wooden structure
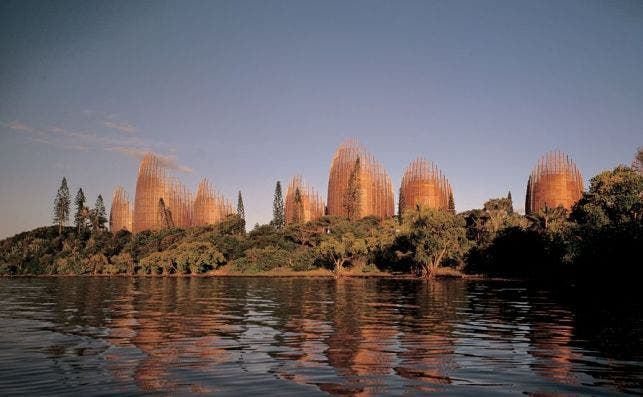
{"x": 555, "y": 181}
{"x": 210, "y": 207}
{"x": 302, "y": 202}
{"x": 150, "y": 188}
{"x": 120, "y": 214}
{"x": 424, "y": 184}
{"x": 375, "y": 192}
{"x": 179, "y": 201}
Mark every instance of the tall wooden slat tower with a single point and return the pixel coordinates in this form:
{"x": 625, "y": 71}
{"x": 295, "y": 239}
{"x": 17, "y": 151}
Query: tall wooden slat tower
{"x": 179, "y": 200}
{"x": 424, "y": 184}
{"x": 120, "y": 214}
{"x": 210, "y": 207}
{"x": 150, "y": 187}
{"x": 555, "y": 181}
{"x": 302, "y": 202}
{"x": 375, "y": 188}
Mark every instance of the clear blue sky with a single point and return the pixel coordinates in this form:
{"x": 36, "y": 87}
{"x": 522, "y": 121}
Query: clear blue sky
{"x": 248, "y": 93}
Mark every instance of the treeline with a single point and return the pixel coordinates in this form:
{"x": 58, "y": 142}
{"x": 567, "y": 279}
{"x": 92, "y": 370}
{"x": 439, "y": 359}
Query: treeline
{"x": 601, "y": 233}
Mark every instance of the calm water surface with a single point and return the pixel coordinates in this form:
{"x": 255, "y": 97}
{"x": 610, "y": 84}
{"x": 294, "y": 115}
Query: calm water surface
{"x": 245, "y": 336}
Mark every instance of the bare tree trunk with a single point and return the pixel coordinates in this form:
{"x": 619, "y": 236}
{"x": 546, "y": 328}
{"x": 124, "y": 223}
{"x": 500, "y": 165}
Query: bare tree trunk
{"x": 339, "y": 264}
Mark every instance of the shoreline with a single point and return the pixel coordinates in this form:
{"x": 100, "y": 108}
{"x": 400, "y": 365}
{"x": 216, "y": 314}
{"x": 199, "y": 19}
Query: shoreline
{"x": 476, "y": 277}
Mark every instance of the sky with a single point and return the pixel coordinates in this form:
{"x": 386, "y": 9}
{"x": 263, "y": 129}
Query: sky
{"x": 246, "y": 93}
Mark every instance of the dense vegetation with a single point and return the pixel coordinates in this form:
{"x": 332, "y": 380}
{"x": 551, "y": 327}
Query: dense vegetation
{"x": 603, "y": 230}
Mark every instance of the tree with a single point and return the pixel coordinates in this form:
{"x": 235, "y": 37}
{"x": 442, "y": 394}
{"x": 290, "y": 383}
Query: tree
{"x": 497, "y": 211}
{"x": 511, "y": 202}
{"x": 637, "y": 164}
{"x": 543, "y": 219}
{"x": 451, "y": 203}
{"x": 340, "y": 250}
{"x": 400, "y": 206}
{"x": 61, "y": 206}
{"x": 434, "y": 237}
{"x": 278, "y": 216}
{"x": 618, "y": 194}
{"x": 608, "y": 224}
{"x": 98, "y": 215}
{"x": 164, "y": 215}
{"x": 241, "y": 212}
{"x": 82, "y": 212}
{"x": 352, "y": 197}
{"x": 298, "y": 210}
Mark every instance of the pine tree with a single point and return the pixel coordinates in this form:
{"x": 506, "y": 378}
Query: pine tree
{"x": 61, "y": 206}
{"x": 298, "y": 210}
{"x": 451, "y": 203}
{"x": 278, "y": 216}
{"x": 352, "y": 197}
{"x": 164, "y": 215}
{"x": 98, "y": 214}
{"x": 637, "y": 164}
{"x": 400, "y": 206}
{"x": 511, "y": 202}
{"x": 241, "y": 212}
{"x": 80, "y": 218}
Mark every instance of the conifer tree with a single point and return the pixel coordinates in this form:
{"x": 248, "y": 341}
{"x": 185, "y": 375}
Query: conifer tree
{"x": 164, "y": 215}
{"x": 278, "y": 216}
{"x": 352, "y": 197}
{"x": 80, "y": 218}
{"x": 511, "y": 202}
{"x": 637, "y": 164}
{"x": 298, "y": 210}
{"x": 98, "y": 214}
{"x": 451, "y": 203}
{"x": 400, "y": 206}
{"x": 61, "y": 206}
{"x": 241, "y": 211}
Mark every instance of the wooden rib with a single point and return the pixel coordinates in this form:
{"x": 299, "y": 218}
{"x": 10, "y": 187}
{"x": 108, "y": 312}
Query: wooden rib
{"x": 210, "y": 207}
{"x": 376, "y": 188}
{"x": 312, "y": 206}
{"x": 555, "y": 181}
{"x": 150, "y": 187}
{"x": 424, "y": 184}
{"x": 120, "y": 214}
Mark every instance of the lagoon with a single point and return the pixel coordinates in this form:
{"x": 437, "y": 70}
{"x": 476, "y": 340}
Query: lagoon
{"x": 313, "y": 336}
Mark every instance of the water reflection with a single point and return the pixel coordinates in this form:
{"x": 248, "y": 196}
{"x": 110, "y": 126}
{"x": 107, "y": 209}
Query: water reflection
{"x": 302, "y": 336}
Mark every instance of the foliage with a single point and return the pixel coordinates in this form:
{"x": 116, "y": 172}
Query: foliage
{"x": 262, "y": 259}
{"x": 451, "y": 205}
{"x": 340, "y": 250}
{"x": 61, "y": 206}
{"x": 298, "y": 210}
{"x": 82, "y": 212}
{"x": 98, "y": 215}
{"x": 241, "y": 212}
{"x": 608, "y": 222}
{"x": 637, "y": 164}
{"x": 164, "y": 215}
{"x": 352, "y": 196}
{"x": 432, "y": 238}
{"x": 278, "y": 216}
{"x": 604, "y": 229}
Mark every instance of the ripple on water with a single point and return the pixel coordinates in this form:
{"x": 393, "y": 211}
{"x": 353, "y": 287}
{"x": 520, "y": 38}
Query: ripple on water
{"x": 248, "y": 336}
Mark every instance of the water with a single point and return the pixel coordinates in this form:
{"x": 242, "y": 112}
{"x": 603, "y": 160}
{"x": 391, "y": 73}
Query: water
{"x": 258, "y": 336}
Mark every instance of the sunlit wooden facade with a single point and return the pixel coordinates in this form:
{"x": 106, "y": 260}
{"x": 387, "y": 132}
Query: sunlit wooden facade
{"x": 555, "y": 181}
{"x": 150, "y": 188}
{"x": 424, "y": 184}
{"x": 210, "y": 207}
{"x": 375, "y": 189}
{"x": 120, "y": 214}
{"x": 302, "y": 202}
{"x": 179, "y": 200}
